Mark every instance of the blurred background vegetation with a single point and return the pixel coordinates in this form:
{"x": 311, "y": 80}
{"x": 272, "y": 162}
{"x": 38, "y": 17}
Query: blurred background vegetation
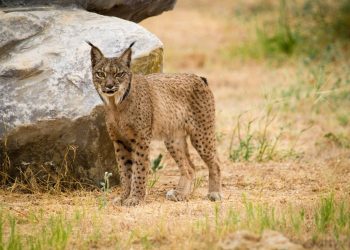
{"x": 280, "y": 28}
{"x": 267, "y": 58}
{"x": 301, "y": 28}
{"x": 297, "y": 28}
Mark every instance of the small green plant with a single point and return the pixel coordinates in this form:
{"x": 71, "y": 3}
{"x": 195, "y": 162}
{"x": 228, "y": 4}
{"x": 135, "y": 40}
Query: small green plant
{"x": 53, "y": 235}
{"x": 245, "y": 148}
{"x": 256, "y": 144}
{"x": 325, "y": 214}
{"x": 105, "y": 188}
{"x": 343, "y": 216}
{"x": 284, "y": 40}
{"x": 59, "y": 231}
{"x": 156, "y": 164}
{"x": 198, "y": 182}
{"x": 297, "y": 219}
{"x": 140, "y": 237}
{"x": 260, "y": 216}
{"x": 339, "y": 140}
{"x": 145, "y": 242}
{"x": 232, "y": 219}
{"x": 155, "y": 167}
{"x": 343, "y": 119}
{"x": 266, "y": 149}
{"x": 249, "y": 210}
{"x": 332, "y": 218}
{"x": 14, "y": 241}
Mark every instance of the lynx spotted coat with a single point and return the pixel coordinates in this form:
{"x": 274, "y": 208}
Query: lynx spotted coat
{"x": 168, "y": 107}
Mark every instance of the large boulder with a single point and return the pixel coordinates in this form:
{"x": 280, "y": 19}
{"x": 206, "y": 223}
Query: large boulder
{"x": 133, "y": 10}
{"x": 52, "y": 126}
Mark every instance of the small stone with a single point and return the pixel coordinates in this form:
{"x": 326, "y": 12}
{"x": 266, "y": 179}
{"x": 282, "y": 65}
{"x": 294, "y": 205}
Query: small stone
{"x": 270, "y": 240}
{"x": 241, "y": 240}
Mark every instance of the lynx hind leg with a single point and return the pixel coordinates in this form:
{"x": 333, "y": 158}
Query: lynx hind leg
{"x": 205, "y": 144}
{"x": 177, "y": 149}
{"x": 187, "y": 152}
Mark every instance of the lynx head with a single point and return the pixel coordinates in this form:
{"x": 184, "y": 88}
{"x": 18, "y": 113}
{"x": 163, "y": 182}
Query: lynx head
{"x": 111, "y": 76}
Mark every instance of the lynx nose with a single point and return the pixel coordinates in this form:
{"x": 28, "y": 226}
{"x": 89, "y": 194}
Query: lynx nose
{"x": 109, "y": 85}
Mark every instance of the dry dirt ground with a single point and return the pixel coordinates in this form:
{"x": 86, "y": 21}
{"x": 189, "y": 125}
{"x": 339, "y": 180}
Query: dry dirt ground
{"x": 294, "y": 176}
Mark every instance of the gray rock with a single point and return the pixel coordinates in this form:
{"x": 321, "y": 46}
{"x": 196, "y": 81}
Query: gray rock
{"x": 133, "y": 10}
{"x": 48, "y": 104}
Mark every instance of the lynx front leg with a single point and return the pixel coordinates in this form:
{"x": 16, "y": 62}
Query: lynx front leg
{"x": 124, "y": 161}
{"x": 178, "y": 150}
{"x": 140, "y": 152}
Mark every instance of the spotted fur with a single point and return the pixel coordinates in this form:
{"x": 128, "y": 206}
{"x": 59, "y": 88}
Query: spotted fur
{"x": 168, "y": 107}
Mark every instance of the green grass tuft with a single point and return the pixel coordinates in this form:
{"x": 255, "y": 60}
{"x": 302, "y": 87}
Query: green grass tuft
{"x": 155, "y": 167}
{"x": 258, "y": 141}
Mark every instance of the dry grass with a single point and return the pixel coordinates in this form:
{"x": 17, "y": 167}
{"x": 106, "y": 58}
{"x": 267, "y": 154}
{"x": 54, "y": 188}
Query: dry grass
{"x": 44, "y": 178}
{"x": 285, "y": 162}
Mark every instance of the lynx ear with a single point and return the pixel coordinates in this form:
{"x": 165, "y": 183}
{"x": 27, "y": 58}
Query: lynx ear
{"x": 126, "y": 56}
{"x": 96, "y": 54}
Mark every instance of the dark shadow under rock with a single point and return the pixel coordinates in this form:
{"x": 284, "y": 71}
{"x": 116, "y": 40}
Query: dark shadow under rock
{"x": 59, "y": 154}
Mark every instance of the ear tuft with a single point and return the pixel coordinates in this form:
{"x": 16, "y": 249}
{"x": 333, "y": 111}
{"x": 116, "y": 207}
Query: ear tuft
{"x": 126, "y": 56}
{"x": 90, "y": 44}
{"x": 132, "y": 44}
{"x": 96, "y": 54}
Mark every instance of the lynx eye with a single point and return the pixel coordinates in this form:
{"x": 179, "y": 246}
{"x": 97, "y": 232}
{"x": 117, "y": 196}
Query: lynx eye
{"x": 120, "y": 74}
{"x": 100, "y": 74}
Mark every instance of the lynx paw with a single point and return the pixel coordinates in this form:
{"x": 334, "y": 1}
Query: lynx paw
{"x": 117, "y": 201}
{"x": 214, "y": 196}
{"x": 174, "y": 195}
{"x": 132, "y": 201}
